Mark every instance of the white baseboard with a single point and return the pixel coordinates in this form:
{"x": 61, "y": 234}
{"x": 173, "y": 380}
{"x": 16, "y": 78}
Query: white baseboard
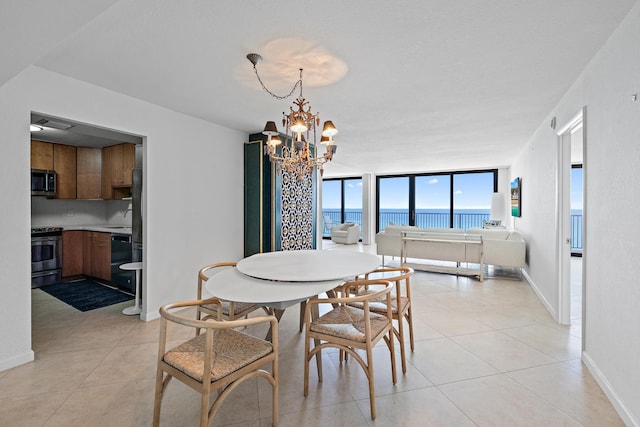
{"x": 611, "y": 394}
{"x": 147, "y": 317}
{"x": 540, "y": 295}
{"x": 18, "y": 360}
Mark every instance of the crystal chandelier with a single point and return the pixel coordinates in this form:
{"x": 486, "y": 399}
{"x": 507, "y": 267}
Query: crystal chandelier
{"x": 299, "y": 154}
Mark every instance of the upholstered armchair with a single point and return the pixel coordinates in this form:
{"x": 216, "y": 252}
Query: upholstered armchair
{"x": 346, "y": 233}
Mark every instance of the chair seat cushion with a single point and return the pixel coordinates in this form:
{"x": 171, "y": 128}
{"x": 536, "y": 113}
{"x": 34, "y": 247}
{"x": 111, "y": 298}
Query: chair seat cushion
{"x": 348, "y": 322}
{"x": 379, "y": 305}
{"x": 240, "y": 308}
{"x": 232, "y": 350}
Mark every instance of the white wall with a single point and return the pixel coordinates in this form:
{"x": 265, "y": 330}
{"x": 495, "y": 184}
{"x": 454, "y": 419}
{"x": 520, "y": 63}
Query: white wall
{"x": 193, "y": 189}
{"x": 612, "y": 135}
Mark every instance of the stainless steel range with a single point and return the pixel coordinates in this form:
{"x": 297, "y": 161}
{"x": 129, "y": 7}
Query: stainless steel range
{"x": 46, "y": 256}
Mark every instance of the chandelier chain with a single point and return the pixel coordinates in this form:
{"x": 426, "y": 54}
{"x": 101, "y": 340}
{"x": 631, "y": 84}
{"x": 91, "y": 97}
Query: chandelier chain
{"x": 299, "y": 82}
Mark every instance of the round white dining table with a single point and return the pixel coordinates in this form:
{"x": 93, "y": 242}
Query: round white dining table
{"x": 281, "y": 279}
{"x": 308, "y": 265}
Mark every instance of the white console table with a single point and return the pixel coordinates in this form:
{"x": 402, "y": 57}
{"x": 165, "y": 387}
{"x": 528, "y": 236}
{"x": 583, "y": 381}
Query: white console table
{"x": 465, "y": 248}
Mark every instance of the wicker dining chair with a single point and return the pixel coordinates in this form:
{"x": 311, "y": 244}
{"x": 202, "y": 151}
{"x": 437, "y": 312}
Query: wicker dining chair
{"x": 400, "y": 303}
{"x": 219, "y": 359}
{"x": 230, "y": 310}
{"x": 350, "y": 329}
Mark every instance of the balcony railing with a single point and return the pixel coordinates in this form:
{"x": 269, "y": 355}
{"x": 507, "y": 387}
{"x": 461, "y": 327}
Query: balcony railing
{"x": 437, "y": 220}
{"x": 576, "y": 233}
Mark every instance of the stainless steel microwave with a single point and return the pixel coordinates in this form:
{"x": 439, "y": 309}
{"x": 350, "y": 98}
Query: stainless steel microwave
{"x": 43, "y": 183}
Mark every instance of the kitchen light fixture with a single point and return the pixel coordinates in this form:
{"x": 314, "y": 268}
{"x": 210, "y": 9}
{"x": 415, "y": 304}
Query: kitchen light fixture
{"x": 296, "y": 155}
{"x": 35, "y": 128}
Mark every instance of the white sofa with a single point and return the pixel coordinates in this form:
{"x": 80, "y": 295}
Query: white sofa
{"x": 500, "y": 247}
{"x": 347, "y": 233}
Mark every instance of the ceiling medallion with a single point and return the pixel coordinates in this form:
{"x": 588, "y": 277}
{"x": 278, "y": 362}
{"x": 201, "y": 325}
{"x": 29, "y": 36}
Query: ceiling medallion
{"x": 297, "y": 154}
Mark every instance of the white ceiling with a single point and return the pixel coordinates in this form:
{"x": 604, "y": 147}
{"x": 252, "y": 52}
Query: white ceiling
{"x": 416, "y": 85}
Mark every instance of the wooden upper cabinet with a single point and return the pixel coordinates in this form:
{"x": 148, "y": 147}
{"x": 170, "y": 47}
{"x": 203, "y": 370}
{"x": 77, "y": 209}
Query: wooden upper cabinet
{"x": 122, "y": 164}
{"x": 41, "y": 155}
{"x": 64, "y": 163}
{"x": 89, "y": 173}
{"x": 107, "y": 191}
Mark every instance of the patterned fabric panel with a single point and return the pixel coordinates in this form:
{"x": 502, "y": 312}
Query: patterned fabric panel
{"x": 379, "y": 305}
{"x": 240, "y": 308}
{"x": 232, "y": 350}
{"x": 348, "y": 322}
{"x": 296, "y": 212}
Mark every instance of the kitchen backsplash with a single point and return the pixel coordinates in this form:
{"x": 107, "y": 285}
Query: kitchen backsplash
{"x": 55, "y": 212}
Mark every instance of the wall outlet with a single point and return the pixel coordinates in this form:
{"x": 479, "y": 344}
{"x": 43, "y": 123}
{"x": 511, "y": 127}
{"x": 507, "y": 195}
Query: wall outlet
{"x": 69, "y": 212}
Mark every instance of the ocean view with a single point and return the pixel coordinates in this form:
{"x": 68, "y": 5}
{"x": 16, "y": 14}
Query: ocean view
{"x": 440, "y": 218}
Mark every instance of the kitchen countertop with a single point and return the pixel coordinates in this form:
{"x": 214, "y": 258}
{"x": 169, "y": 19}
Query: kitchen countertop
{"x": 104, "y": 228}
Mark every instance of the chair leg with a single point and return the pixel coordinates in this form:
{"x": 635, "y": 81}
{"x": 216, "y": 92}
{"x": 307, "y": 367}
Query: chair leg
{"x": 401, "y": 339}
{"x": 409, "y": 317}
{"x": 275, "y": 391}
{"x": 307, "y": 340}
{"x": 372, "y": 389}
{"x": 204, "y": 409}
{"x": 158, "y": 398}
{"x": 392, "y": 349}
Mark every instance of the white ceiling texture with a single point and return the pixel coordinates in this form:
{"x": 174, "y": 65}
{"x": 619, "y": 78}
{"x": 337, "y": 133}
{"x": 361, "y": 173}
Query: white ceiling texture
{"x": 413, "y": 86}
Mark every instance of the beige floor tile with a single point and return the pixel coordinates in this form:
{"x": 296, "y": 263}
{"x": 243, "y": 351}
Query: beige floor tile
{"x": 84, "y": 338}
{"x": 558, "y": 344}
{"x": 499, "y": 401}
{"x": 32, "y": 410}
{"x": 423, "y": 407}
{"x": 339, "y": 415}
{"x": 331, "y": 391}
{"x": 122, "y": 404}
{"x": 51, "y": 372}
{"x": 125, "y": 363}
{"x": 354, "y": 376}
{"x": 97, "y": 368}
{"x": 442, "y": 361}
{"x": 573, "y": 391}
{"x": 502, "y": 352}
{"x": 450, "y": 322}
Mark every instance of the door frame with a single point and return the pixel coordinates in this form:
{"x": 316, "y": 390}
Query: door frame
{"x": 563, "y": 218}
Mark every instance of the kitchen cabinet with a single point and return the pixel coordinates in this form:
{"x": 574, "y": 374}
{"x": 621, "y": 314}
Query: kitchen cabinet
{"x": 101, "y": 256}
{"x": 64, "y": 164}
{"x": 107, "y": 191}
{"x": 41, "y": 155}
{"x": 89, "y": 173}
{"x": 72, "y": 253}
{"x": 122, "y": 164}
{"x": 118, "y": 162}
{"x": 97, "y": 255}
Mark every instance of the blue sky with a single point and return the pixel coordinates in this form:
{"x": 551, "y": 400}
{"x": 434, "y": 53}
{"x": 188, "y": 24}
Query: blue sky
{"x": 471, "y": 191}
{"x": 576, "y": 188}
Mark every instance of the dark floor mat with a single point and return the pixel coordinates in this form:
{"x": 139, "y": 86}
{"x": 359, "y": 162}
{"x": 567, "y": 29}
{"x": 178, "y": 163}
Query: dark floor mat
{"x": 86, "y": 295}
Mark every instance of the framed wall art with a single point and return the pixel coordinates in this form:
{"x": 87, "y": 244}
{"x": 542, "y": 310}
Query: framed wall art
{"x": 516, "y": 207}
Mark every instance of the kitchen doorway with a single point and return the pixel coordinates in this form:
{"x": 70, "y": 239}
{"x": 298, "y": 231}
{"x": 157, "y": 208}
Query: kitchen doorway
{"x": 113, "y": 209}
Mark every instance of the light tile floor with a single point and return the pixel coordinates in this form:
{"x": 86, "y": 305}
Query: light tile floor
{"x": 486, "y": 354}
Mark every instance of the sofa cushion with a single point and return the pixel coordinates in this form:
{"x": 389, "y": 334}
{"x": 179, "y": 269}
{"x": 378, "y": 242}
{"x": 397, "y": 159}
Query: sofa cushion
{"x": 491, "y": 233}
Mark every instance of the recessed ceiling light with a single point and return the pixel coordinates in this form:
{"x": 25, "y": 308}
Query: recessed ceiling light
{"x": 35, "y": 128}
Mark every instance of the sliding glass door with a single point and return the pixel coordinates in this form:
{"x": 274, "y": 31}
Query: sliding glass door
{"x": 472, "y": 199}
{"x": 341, "y": 202}
{"x": 393, "y": 201}
{"x": 433, "y": 201}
